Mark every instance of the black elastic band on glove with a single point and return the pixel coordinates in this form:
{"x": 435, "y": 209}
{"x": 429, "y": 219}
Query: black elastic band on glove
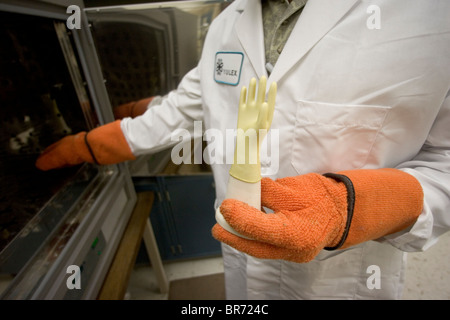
{"x": 350, "y": 205}
{"x": 90, "y": 149}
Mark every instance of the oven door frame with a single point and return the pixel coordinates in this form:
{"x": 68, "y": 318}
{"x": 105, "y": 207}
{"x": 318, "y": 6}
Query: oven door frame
{"x": 117, "y": 189}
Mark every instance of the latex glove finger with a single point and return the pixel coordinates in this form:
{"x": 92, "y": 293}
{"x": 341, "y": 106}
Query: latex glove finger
{"x": 271, "y": 102}
{"x": 251, "y": 92}
{"x": 261, "y": 91}
{"x": 264, "y": 109}
{"x": 242, "y": 99}
{"x": 262, "y": 117}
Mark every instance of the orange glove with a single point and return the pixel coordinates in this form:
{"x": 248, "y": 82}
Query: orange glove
{"x": 103, "y": 145}
{"x": 132, "y": 109}
{"x": 313, "y": 212}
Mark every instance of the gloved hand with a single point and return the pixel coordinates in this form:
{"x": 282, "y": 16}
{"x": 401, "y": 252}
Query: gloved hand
{"x": 103, "y": 145}
{"x": 254, "y": 119}
{"x": 132, "y": 109}
{"x": 313, "y": 211}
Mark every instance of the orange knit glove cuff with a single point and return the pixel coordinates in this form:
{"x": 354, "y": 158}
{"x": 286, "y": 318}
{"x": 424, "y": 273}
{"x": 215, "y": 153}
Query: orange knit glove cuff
{"x": 381, "y": 202}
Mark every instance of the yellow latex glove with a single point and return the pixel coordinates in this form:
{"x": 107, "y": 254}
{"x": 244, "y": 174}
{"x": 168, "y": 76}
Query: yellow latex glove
{"x": 254, "y": 120}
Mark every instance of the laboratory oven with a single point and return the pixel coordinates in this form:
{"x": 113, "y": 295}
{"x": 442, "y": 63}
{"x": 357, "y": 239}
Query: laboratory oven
{"x": 59, "y": 230}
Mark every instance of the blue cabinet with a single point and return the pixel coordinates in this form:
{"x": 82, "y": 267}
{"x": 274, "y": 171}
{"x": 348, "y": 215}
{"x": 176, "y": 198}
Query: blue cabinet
{"x": 182, "y": 215}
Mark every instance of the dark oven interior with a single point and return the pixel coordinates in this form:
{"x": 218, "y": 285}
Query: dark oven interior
{"x": 38, "y": 105}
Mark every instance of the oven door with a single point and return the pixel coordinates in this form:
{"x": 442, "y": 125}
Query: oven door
{"x": 59, "y": 230}
{"x": 145, "y": 50}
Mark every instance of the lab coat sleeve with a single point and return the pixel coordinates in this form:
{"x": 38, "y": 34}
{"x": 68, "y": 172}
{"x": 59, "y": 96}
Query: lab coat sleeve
{"x": 431, "y": 167}
{"x": 168, "y": 119}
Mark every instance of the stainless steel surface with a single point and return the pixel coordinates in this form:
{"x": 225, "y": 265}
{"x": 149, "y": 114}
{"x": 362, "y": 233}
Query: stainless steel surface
{"x": 41, "y": 241}
{"x": 74, "y": 70}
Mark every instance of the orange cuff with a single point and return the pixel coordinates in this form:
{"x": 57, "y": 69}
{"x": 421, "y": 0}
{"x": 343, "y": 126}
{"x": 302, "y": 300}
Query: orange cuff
{"x": 380, "y": 202}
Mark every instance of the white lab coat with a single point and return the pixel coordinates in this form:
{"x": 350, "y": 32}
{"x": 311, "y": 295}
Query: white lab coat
{"x": 349, "y": 97}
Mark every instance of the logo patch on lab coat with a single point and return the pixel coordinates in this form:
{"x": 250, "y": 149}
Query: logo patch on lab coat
{"x": 228, "y": 67}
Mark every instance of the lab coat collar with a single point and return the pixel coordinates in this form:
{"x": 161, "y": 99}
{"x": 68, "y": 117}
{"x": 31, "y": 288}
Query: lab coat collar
{"x": 249, "y": 29}
{"x": 316, "y": 19}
